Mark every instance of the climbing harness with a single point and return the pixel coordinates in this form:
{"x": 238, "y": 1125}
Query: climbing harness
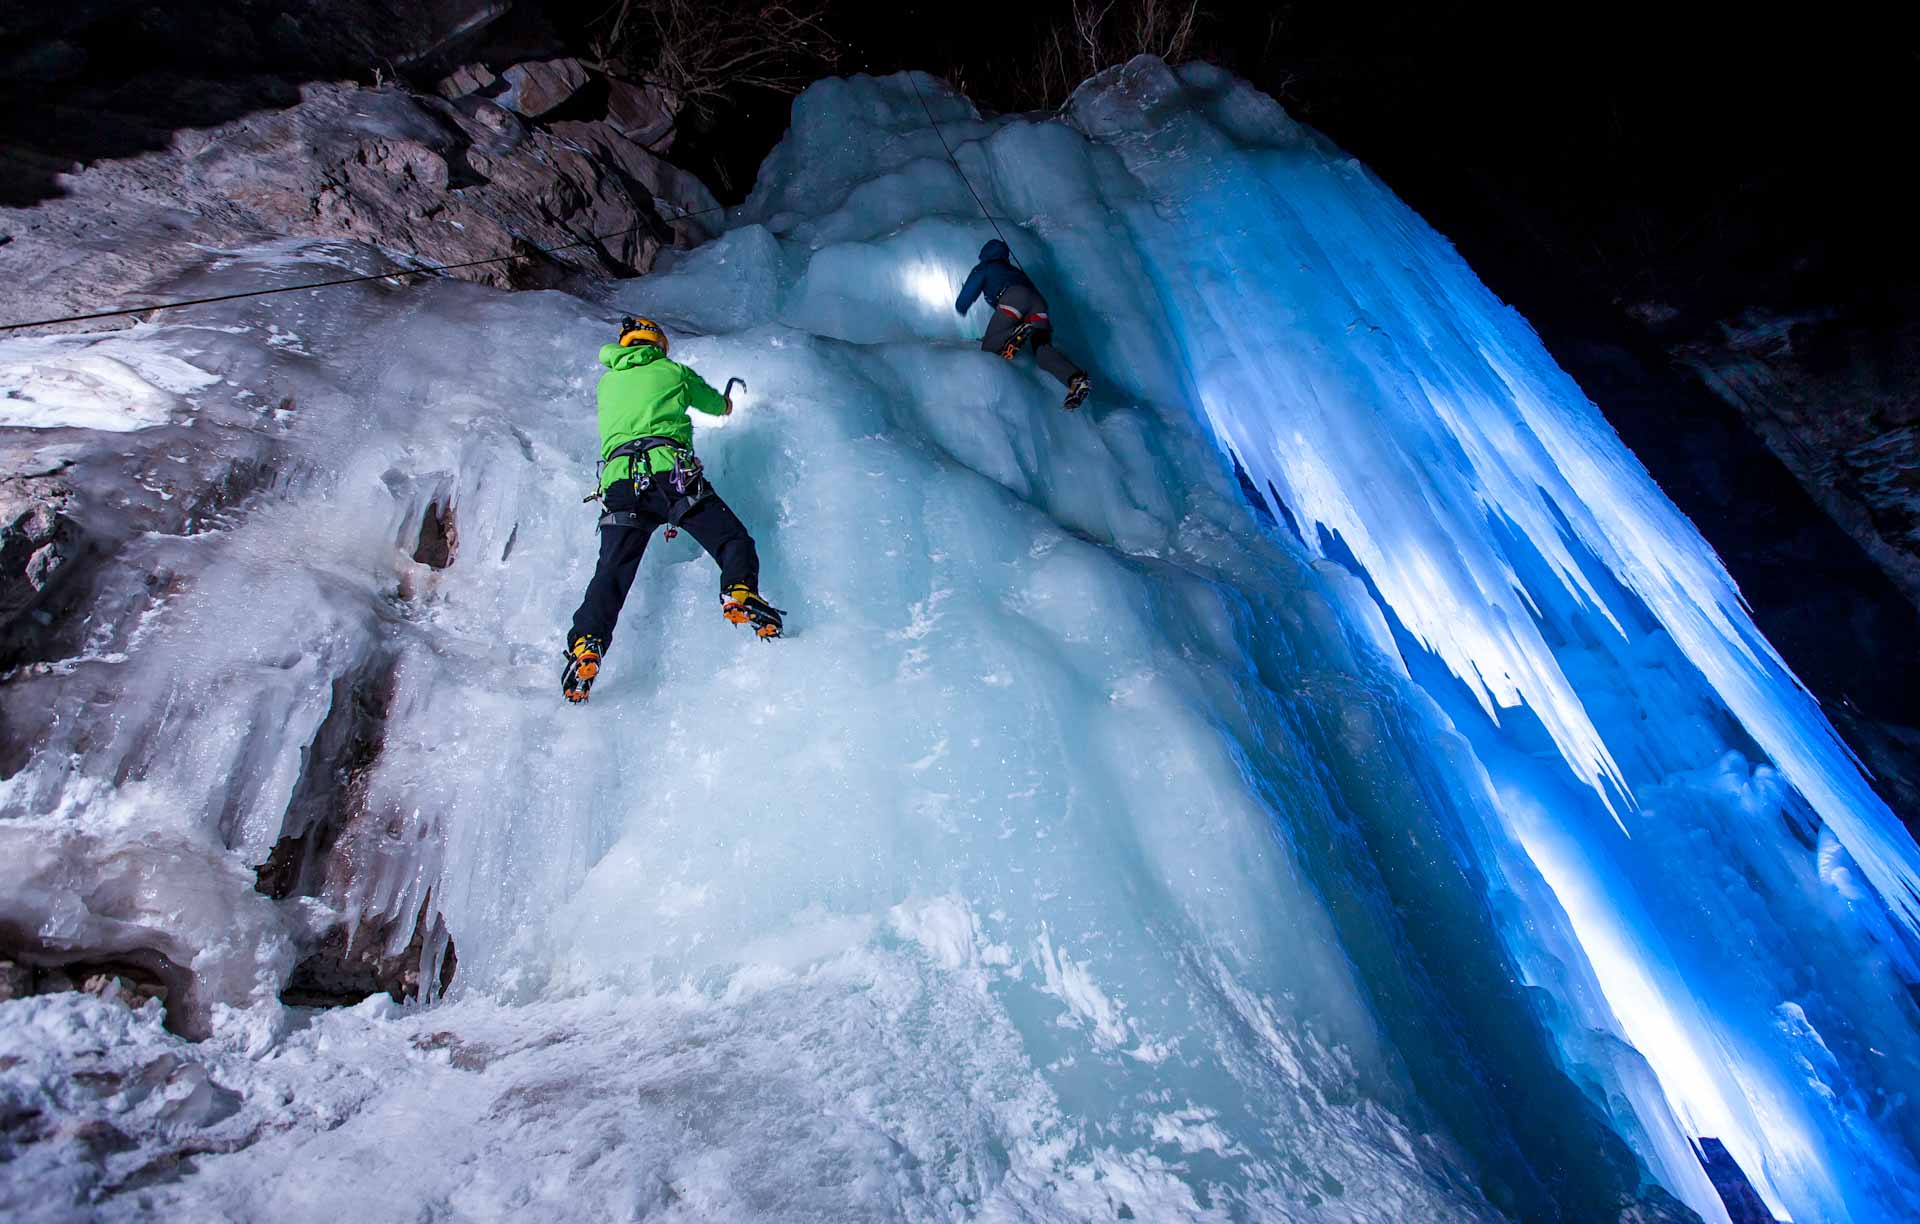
{"x": 683, "y": 475}
{"x": 687, "y": 476}
{"x": 1018, "y": 338}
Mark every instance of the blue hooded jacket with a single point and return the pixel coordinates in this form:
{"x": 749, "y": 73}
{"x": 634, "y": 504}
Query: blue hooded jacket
{"x": 991, "y": 277}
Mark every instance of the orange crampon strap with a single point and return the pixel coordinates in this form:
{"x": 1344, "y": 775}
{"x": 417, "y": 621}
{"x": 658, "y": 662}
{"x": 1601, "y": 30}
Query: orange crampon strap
{"x": 763, "y": 616}
{"x": 583, "y": 666}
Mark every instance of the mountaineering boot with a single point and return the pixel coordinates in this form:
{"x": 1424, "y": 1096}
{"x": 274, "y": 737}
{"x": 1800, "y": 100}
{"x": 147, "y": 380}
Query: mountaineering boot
{"x": 1016, "y": 340}
{"x": 1077, "y": 392}
{"x": 739, "y": 604}
{"x": 583, "y": 664}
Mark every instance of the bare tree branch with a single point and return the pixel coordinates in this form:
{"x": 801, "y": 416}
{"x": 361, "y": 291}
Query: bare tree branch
{"x": 1098, "y": 34}
{"x": 707, "y": 51}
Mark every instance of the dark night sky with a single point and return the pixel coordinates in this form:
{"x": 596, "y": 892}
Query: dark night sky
{"x": 1636, "y": 148}
{"x": 1642, "y": 150}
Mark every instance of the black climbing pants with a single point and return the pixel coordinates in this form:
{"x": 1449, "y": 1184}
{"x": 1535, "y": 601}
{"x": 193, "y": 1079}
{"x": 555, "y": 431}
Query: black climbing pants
{"x": 709, "y": 521}
{"x": 1017, "y": 305}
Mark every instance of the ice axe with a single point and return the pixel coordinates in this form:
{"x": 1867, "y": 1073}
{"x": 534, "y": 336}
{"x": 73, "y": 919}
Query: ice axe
{"x": 727, "y": 395}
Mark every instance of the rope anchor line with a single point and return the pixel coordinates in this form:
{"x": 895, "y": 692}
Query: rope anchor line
{"x": 434, "y": 269}
{"x": 426, "y": 270}
{"x": 935, "y": 125}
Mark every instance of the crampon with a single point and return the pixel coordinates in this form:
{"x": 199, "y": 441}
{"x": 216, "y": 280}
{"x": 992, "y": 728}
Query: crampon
{"x": 1077, "y": 392}
{"x": 742, "y": 606}
{"x": 583, "y": 665}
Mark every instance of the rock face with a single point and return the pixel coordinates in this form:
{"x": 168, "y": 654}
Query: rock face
{"x": 467, "y": 135}
{"x": 1816, "y": 357}
{"x": 477, "y": 138}
{"x": 86, "y": 81}
{"x": 36, "y": 539}
{"x": 643, "y": 114}
{"x": 1836, "y": 395}
{"x": 101, "y": 518}
{"x": 446, "y": 181}
{"x": 1744, "y": 1204}
{"x": 1826, "y": 601}
{"x": 538, "y": 89}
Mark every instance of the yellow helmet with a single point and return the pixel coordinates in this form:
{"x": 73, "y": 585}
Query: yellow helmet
{"x": 635, "y": 331}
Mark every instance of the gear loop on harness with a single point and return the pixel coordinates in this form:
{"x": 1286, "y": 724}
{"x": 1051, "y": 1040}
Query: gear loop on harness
{"x": 687, "y": 476}
{"x": 681, "y": 507}
{"x": 685, "y": 472}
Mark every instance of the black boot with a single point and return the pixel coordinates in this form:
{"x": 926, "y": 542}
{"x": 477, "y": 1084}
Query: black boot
{"x": 583, "y": 665}
{"x": 1077, "y": 392}
{"x": 741, "y": 605}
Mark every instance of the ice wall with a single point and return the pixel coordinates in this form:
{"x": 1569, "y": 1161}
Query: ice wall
{"x": 1090, "y": 849}
{"x": 1367, "y": 380}
{"x": 1416, "y": 430}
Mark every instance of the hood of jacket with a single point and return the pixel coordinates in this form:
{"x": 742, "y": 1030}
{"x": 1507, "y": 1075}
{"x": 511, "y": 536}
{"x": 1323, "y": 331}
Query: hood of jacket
{"x": 616, "y": 357}
{"x": 993, "y": 251}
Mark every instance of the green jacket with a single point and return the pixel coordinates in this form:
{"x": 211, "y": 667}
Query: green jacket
{"x": 643, "y": 394}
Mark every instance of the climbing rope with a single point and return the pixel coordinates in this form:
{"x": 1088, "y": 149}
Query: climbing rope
{"x": 935, "y": 124}
{"x": 434, "y": 269}
{"x": 427, "y": 270}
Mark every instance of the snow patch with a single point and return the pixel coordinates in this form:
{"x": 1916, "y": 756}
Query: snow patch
{"x": 113, "y": 384}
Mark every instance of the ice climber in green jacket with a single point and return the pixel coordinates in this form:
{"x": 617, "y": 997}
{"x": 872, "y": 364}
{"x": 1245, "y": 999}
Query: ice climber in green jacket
{"x": 649, "y": 477}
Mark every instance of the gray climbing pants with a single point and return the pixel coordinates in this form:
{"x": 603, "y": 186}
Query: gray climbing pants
{"x": 1017, "y": 305}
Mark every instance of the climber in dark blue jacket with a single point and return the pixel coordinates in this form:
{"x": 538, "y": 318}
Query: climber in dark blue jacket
{"x": 1019, "y": 317}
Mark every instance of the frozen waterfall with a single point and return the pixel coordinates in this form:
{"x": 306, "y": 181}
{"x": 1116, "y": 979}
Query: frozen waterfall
{"x": 1093, "y": 848}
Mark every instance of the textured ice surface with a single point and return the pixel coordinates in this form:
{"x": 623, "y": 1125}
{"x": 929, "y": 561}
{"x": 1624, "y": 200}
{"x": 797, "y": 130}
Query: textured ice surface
{"x": 1331, "y": 335}
{"x": 86, "y": 382}
{"x": 1088, "y": 850}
